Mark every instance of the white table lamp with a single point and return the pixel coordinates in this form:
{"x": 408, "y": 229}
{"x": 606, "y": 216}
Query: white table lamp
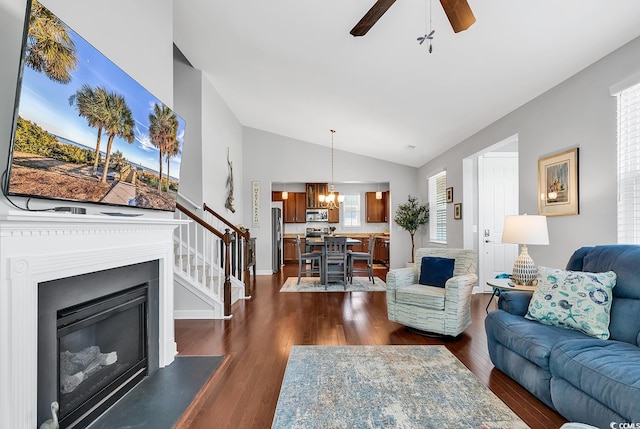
{"x": 525, "y": 229}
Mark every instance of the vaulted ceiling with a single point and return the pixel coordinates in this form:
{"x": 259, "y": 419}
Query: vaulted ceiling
{"x": 291, "y": 67}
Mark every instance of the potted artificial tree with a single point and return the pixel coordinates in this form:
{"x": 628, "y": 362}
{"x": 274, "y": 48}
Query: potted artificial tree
{"x": 410, "y": 216}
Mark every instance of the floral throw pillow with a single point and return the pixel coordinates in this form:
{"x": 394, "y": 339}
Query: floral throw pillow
{"x": 573, "y": 300}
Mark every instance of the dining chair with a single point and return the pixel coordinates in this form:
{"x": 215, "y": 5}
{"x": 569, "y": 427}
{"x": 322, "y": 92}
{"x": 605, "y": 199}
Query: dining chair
{"x": 314, "y": 258}
{"x": 367, "y": 257}
{"x": 335, "y": 259}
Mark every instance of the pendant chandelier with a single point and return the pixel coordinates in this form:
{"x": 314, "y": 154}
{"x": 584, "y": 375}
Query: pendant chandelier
{"x": 331, "y": 200}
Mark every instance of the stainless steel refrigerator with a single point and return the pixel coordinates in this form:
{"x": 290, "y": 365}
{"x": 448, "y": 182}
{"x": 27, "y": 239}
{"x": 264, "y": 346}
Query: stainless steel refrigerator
{"x": 276, "y": 238}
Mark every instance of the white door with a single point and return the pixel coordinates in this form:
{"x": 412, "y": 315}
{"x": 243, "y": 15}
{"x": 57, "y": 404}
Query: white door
{"x": 497, "y": 197}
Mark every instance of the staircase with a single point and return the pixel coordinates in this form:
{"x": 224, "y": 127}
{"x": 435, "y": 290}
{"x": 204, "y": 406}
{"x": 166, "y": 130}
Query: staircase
{"x": 212, "y": 265}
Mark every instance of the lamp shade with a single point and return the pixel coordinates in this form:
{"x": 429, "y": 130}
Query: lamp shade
{"x": 525, "y": 229}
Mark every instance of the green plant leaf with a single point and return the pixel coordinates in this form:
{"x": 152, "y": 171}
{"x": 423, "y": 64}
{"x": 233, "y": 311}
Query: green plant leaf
{"x": 411, "y": 215}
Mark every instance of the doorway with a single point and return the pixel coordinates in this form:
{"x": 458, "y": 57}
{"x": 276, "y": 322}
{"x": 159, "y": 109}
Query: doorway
{"x": 496, "y": 189}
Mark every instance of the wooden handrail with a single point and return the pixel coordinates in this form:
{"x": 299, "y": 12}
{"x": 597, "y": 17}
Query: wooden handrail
{"x": 235, "y": 229}
{"x": 199, "y": 221}
{"x": 243, "y": 266}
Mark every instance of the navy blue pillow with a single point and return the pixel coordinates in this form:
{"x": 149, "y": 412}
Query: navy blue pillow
{"x": 435, "y": 271}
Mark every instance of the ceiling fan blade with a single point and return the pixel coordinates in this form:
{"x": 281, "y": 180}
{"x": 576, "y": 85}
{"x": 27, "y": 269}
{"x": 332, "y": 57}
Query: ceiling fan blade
{"x": 459, "y": 14}
{"x": 371, "y": 17}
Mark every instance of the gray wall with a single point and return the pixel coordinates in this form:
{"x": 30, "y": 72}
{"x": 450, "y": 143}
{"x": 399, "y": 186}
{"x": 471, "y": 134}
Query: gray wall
{"x": 137, "y": 36}
{"x": 272, "y": 158}
{"x": 211, "y": 129}
{"x": 188, "y": 102}
{"x": 11, "y": 22}
{"x": 579, "y": 112}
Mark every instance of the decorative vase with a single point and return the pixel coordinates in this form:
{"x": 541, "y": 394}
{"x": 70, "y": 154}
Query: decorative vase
{"x": 524, "y": 270}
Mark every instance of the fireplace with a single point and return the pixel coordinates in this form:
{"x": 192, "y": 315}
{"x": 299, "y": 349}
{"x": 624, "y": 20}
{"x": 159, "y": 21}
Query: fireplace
{"x": 39, "y": 249}
{"x": 102, "y": 353}
{"x": 94, "y": 337}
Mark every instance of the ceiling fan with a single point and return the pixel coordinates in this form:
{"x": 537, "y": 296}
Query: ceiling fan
{"x": 458, "y": 11}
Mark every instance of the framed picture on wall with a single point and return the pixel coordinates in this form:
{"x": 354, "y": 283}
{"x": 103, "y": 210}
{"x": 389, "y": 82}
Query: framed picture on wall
{"x": 457, "y": 211}
{"x": 450, "y": 195}
{"x": 558, "y": 184}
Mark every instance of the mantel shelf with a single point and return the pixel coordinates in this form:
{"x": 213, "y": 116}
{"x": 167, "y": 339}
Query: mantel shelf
{"x": 58, "y": 218}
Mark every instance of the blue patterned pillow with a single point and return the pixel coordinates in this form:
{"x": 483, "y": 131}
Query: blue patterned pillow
{"x": 573, "y": 300}
{"x": 435, "y": 271}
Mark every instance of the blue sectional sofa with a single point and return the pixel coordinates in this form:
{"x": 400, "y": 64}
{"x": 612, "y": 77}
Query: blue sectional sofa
{"x": 586, "y": 379}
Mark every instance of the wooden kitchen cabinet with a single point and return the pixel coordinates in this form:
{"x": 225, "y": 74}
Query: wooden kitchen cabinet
{"x": 377, "y": 210}
{"x": 294, "y": 208}
{"x": 334, "y": 215}
{"x": 289, "y": 209}
{"x": 364, "y": 247}
{"x": 381, "y": 251}
{"x": 314, "y": 190}
{"x": 301, "y": 209}
{"x": 290, "y": 249}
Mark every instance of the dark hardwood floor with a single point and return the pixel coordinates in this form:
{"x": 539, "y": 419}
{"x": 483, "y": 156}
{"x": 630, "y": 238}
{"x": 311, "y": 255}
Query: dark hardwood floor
{"x": 243, "y": 392}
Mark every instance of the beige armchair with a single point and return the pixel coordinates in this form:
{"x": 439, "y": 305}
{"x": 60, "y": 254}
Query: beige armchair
{"x": 445, "y": 311}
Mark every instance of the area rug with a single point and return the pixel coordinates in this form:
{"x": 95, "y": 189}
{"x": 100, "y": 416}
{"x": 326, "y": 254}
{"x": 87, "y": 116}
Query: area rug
{"x": 312, "y": 284}
{"x": 385, "y": 387}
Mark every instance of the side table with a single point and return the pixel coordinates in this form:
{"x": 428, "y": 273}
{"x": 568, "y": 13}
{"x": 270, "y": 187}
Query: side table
{"x": 499, "y": 285}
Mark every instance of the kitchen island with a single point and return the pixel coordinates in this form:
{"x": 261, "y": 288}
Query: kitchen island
{"x": 380, "y": 253}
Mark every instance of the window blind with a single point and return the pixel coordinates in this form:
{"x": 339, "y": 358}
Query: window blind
{"x": 351, "y": 210}
{"x": 629, "y": 165}
{"x": 438, "y": 207}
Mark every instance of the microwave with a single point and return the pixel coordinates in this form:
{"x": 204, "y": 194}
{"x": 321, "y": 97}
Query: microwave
{"x": 317, "y": 215}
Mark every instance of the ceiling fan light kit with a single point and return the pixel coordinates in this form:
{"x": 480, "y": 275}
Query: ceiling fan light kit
{"x": 458, "y": 12}
{"x": 428, "y": 32}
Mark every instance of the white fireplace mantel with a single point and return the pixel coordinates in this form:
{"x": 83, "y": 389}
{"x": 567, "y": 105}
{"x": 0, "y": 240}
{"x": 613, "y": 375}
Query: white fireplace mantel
{"x": 40, "y": 246}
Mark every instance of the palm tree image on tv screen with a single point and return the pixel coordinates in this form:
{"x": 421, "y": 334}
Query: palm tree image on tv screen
{"x": 85, "y": 130}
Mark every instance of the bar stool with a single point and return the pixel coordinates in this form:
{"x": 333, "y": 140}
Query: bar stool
{"x": 362, "y": 256}
{"x": 314, "y": 257}
{"x": 335, "y": 259}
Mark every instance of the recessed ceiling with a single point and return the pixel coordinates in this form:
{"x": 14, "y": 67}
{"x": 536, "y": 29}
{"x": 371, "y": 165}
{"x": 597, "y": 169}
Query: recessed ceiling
{"x": 291, "y": 67}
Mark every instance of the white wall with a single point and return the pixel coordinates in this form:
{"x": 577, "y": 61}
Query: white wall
{"x": 579, "y": 112}
{"x": 273, "y": 158}
{"x": 220, "y": 130}
{"x": 137, "y": 36}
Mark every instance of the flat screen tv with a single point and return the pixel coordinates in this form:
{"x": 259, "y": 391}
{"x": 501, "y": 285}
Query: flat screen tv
{"x": 84, "y": 130}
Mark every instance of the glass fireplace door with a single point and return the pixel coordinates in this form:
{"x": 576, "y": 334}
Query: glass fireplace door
{"x": 101, "y": 349}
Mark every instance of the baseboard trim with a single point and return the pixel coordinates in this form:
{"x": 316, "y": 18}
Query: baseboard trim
{"x": 193, "y": 314}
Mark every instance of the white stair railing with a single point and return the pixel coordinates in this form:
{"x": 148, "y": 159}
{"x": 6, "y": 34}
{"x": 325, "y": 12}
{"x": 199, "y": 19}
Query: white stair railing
{"x": 202, "y": 255}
